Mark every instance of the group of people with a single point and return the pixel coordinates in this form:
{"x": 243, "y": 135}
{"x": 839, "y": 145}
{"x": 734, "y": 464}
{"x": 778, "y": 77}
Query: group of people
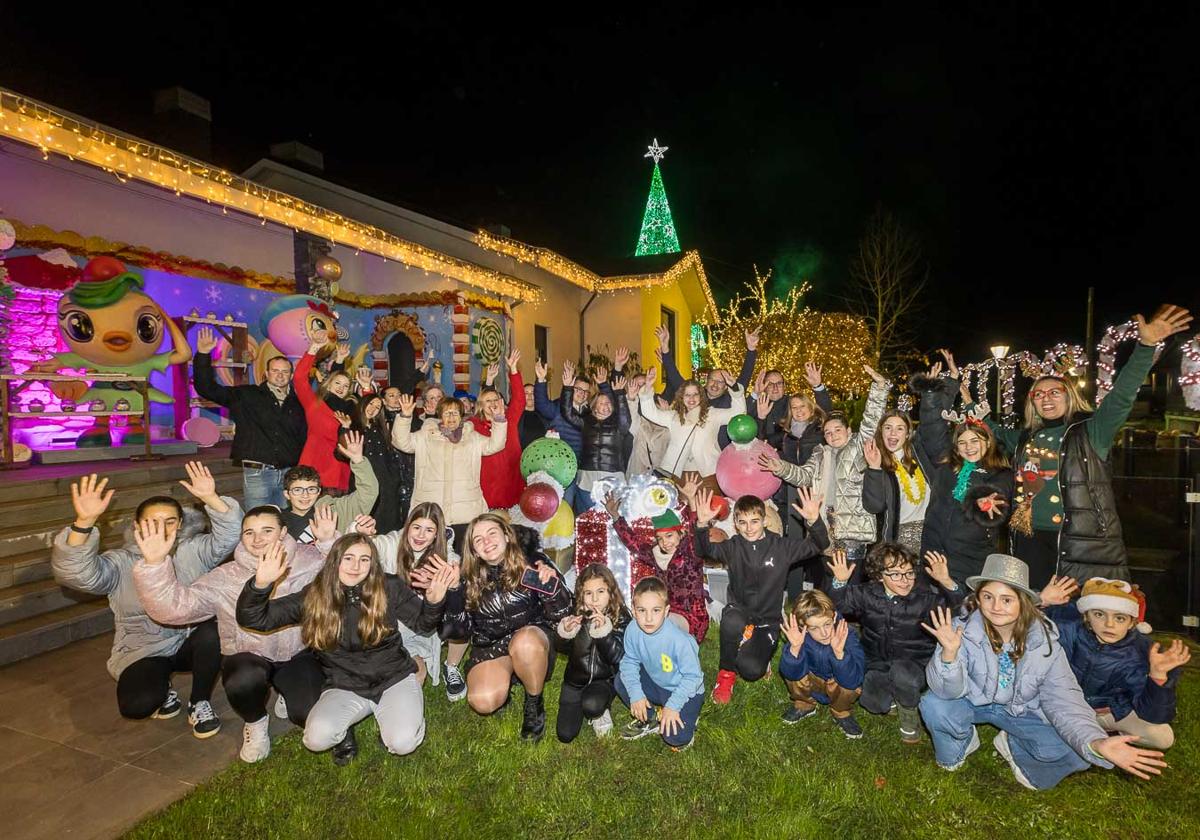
{"x": 952, "y": 571}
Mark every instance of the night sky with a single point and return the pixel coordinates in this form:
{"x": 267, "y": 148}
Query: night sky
{"x": 1034, "y": 153}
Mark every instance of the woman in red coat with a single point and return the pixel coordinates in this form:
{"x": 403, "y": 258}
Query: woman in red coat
{"x": 321, "y": 410}
{"x": 500, "y": 473}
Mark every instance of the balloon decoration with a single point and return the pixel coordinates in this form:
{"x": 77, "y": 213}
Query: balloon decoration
{"x": 742, "y": 429}
{"x": 739, "y": 474}
{"x": 552, "y": 456}
{"x": 487, "y": 338}
{"x": 721, "y": 504}
{"x": 328, "y": 268}
{"x": 539, "y": 502}
{"x": 562, "y": 525}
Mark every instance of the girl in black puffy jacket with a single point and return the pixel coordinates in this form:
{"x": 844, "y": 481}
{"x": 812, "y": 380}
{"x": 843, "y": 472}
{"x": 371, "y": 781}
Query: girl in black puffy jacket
{"x": 594, "y": 639}
{"x": 508, "y": 605}
{"x": 603, "y": 424}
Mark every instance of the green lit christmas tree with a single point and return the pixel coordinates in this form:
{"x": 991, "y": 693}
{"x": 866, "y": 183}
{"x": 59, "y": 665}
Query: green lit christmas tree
{"x": 658, "y": 228}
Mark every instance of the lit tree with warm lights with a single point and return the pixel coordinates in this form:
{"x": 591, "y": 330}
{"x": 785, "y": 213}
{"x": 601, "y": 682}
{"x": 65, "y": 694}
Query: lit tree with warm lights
{"x": 791, "y": 334}
{"x": 658, "y": 228}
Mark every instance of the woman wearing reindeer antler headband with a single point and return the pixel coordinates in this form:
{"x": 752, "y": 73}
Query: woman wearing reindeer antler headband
{"x": 1066, "y": 520}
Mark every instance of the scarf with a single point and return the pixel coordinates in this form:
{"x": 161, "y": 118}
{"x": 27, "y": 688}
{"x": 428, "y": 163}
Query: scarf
{"x": 798, "y": 427}
{"x": 964, "y": 479}
{"x": 661, "y": 558}
{"x": 454, "y": 436}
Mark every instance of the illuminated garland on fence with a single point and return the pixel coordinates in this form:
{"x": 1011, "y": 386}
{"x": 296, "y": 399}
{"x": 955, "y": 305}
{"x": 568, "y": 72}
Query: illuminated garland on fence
{"x": 1189, "y": 378}
{"x": 47, "y": 130}
{"x": 1106, "y": 355}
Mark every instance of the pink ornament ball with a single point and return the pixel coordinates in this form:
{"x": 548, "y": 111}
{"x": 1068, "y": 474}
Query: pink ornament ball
{"x": 739, "y": 474}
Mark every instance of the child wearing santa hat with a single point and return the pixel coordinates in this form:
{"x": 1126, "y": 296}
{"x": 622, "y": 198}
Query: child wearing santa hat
{"x": 1126, "y": 678}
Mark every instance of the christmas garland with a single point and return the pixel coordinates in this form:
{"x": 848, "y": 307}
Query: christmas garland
{"x": 906, "y": 479}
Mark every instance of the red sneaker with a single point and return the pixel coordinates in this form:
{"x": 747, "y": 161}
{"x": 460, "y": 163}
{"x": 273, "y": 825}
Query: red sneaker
{"x": 723, "y": 691}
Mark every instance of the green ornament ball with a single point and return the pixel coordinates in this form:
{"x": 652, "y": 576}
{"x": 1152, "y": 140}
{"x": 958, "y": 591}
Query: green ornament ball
{"x": 742, "y": 429}
{"x": 551, "y": 455}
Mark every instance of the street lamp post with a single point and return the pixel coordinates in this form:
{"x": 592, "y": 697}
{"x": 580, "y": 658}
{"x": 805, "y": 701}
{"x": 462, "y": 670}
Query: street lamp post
{"x": 999, "y": 351}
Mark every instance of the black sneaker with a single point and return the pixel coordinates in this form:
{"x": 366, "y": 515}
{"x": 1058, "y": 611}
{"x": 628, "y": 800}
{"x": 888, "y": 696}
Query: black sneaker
{"x": 346, "y": 749}
{"x": 170, "y": 707}
{"x": 637, "y": 729}
{"x": 203, "y": 719}
{"x": 850, "y": 727}
{"x": 535, "y": 718}
{"x": 794, "y": 715}
{"x": 456, "y": 686}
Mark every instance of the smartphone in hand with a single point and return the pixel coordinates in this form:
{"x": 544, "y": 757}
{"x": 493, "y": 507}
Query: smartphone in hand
{"x": 530, "y": 580}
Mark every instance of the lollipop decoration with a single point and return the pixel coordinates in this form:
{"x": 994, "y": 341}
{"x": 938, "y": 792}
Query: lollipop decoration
{"x": 1189, "y": 378}
{"x": 488, "y": 341}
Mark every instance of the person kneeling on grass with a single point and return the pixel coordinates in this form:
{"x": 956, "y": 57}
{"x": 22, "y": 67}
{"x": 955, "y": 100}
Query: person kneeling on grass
{"x": 510, "y": 601}
{"x": 594, "y": 639}
{"x": 822, "y": 663}
{"x": 1126, "y": 678}
{"x": 890, "y": 609}
{"x": 1003, "y": 665}
{"x": 251, "y": 663}
{"x": 349, "y": 616}
{"x": 661, "y": 668}
{"x": 759, "y": 563}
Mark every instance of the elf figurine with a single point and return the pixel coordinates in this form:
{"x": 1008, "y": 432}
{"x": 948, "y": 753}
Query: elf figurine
{"x": 111, "y": 326}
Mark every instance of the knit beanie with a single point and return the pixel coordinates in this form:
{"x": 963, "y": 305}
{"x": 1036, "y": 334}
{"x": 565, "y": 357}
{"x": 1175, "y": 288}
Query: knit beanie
{"x": 668, "y": 520}
{"x": 1116, "y": 595}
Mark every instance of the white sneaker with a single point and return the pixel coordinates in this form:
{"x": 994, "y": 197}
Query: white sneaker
{"x": 603, "y": 725}
{"x": 256, "y": 741}
{"x": 1001, "y": 744}
{"x": 971, "y": 747}
{"x": 280, "y": 707}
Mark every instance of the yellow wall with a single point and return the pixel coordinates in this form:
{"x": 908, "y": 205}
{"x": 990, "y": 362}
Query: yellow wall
{"x": 653, "y": 300}
{"x": 559, "y": 313}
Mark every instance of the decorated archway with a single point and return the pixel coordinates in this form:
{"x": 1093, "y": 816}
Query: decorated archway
{"x": 388, "y": 327}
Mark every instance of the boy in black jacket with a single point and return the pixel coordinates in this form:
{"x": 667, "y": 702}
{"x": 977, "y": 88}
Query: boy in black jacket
{"x": 758, "y": 563}
{"x": 890, "y": 608}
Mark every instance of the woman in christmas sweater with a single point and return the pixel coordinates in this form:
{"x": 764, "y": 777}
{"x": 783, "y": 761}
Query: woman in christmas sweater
{"x": 500, "y": 473}
{"x": 327, "y": 412}
{"x": 1066, "y": 519}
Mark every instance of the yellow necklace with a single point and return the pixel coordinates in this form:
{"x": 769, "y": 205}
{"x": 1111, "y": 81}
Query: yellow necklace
{"x": 906, "y": 483}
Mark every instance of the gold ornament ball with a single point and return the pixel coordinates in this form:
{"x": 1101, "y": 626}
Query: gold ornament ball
{"x": 328, "y": 269}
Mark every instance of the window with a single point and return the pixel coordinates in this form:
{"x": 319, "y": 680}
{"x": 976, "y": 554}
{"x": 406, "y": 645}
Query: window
{"x": 541, "y": 343}
{"x": 668, "y": 321}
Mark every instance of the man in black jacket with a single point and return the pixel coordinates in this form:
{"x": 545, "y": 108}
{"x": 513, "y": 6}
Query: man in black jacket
{"x": 269, "y": 423}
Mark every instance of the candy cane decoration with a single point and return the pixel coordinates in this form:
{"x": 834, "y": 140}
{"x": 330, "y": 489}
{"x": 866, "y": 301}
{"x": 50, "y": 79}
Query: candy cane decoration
{"x": 1189, "y": 377}
{"x": 1106, "y": 351}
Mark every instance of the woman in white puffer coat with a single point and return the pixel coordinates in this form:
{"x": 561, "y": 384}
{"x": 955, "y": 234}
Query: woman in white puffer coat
{"x": 692, "y": 423}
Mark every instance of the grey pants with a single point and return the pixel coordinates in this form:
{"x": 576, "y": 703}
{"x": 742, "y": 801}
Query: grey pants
{"x": 400, "y": 714}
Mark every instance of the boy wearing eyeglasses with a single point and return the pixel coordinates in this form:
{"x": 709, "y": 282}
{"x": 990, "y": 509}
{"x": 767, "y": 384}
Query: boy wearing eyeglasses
{"x": 890, "y": 607}
{"x": 302, "y": 490}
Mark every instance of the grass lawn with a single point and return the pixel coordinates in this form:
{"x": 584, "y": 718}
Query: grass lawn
{"x": 747, "y": 775}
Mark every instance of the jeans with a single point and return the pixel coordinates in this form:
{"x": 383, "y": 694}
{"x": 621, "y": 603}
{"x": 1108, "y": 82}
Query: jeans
{"x": 142, "y": 686}
{"x": 657, "y": 695}
{"x": 1043, "y": 756}
{"x": 262, "y": 486}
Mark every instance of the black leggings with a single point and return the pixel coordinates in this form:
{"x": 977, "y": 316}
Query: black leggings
{"x": 749, "y": 657}
{"x": 900, "y": 682}
{"x": 248, "y": 677}
{"x": 575, "y": 704}
{"x": 142, "y": 687}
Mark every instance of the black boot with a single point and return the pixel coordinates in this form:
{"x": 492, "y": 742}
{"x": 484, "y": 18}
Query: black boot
{"x": 345, "y": 750}
{"x": 535, "y": 718}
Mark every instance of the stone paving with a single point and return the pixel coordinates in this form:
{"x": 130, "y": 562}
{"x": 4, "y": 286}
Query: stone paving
{"x": 72, "y": 767}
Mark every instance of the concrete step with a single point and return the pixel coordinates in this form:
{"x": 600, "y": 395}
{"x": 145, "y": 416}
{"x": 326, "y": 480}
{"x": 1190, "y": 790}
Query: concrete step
{"x": 20, "y": 485}
{"x": 30, "y": 566}
{"x": 41, "y": 596}
{"x": 52, "y": 630}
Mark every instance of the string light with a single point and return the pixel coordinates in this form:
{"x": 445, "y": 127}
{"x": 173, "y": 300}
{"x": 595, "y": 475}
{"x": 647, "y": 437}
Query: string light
{"x": 658, "y": 228}
{"x": 47, "y": 130}
{"x": 1106, "y": 355}
{"x": 1189, "y": 377}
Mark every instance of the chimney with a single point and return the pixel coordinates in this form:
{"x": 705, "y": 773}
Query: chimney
{"x": 183, "y": 121}
{"x": 295, "y": 152}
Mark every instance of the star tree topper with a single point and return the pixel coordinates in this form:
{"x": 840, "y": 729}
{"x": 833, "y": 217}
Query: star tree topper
{"x": 656, "y": 151}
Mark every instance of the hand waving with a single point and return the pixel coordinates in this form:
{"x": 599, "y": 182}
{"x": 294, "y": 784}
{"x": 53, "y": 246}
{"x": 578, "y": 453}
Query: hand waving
{"x": 152, "y": 540}
{"x": 90, "y": 499}
{"x": 942, "y": 628}
{"x": 938, "y": 568}
{"x": 1167, "y": 321}
{"x": 1059, "y": 590}
{"x": 620, "y": 358}
{"x": 407, "y": 403}
{"x": 271, "y": 566}
{"x": 808, "y": 504}
{"x": 871, "y": 454}
{"x": 794, "y": 632}
{"x": 200, "y": 482}
{"x": 876, "y": 377}
{"x": 812, "y": 373}
{"x": 1164, "y": 660}
{"x": 324, "y": 524}
{"x": 841, "y": 570}
{"x": 206, "y": 340}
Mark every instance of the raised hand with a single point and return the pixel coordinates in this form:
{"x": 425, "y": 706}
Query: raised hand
{"x": 362, "y": 375}
{"x": 620, "y": 358}
{"x": 613, "y": 505}
{"x": 365, "y": 524}
{"x": 90, "y": 499}
{"x": 935, "y": 370}
{"x": 1119, "y": 749}
{"x": 965, "y": 393}
{"x": 206, "y": 340}
{"x": 950, "y": 365}
{"x": 752, "y": 339}
{"x": 991, "y": 504}
{"x": 601, "y": 374}
{"x": 493, "y": 370}
{"x": 938, "y": 568}
{"x": 794, "y": 632}
{"x": 838, "y": 566}
{"x": 705, "y": 512}
{"x": 271, "y": 566}
{"x": 344, "y": 419}
{"x": 1059, "y": 590}
{"x": 343, "y": 351}
{"x": 317, "y": 340}
{"x": 690, "y": 484}
{"x": 769, "y": 463}
{"x": 351, "y": 445}
{"x": 872, "y": 455}
{"x": 651, "y": 379}
{"x": 1164, "y": 660}
{"x": 200, "y": 483}
{"x": 808, "y": 504}
{"x": 426, "y": 364}
{"x": 152, "y": 540}
{"x": 618, "y": 384}
{"x": 568, "y": 374}
{"x": 876, "y": 377}
{"x": 1167, "y": 321}
{"x": 812, "y": 373}
{"x": 664, "y": 338}
{"x": 324, "y": 524}
{"x": 762, "y": 405}
{"x": 512, "y": 359}
{"x": 407, "y": 403}
{"x": 942, "y": 628}
{"x": 540, "y": 370}
{"x": 841, "y": 632}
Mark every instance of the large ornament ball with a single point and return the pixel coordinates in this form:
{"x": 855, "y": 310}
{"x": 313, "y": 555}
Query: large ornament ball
{"x": 739, "y": 474}
{"x": 562, "y": 524}
{"x": 721, "y": 506}
{"x": 742, "y": 429}
{"x": 553, "y": 456}
{"x": 328, "y": 269}
{"x": 539, "y": 502}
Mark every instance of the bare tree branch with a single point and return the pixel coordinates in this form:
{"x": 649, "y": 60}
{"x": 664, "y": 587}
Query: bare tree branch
{"x": 888, "y": 285}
